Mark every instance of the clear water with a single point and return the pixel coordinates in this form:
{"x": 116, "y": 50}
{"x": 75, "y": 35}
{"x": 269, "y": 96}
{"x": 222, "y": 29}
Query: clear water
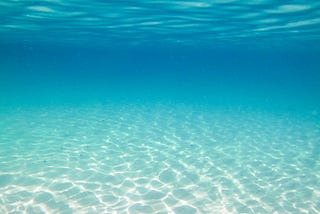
{"x": 159, "y": 106}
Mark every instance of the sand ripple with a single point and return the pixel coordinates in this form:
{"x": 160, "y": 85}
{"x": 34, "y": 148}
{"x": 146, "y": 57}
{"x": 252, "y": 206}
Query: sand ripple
{"x": 158, "y": 158}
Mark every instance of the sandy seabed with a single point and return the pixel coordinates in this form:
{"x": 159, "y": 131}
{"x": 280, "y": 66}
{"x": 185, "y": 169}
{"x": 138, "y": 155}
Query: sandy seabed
{"x": 158, "y": 159}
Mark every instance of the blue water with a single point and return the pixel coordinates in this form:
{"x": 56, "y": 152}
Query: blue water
{"x": 159, "y": 106}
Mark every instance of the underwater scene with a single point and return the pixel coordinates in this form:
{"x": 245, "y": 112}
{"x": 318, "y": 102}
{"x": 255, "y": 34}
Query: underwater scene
{"x": 182, "y": 106}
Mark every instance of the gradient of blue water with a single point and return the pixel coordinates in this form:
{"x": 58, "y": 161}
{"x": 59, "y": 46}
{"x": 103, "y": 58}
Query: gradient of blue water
{"x": 197, "y": 50}
{"x": 51, "y": 74}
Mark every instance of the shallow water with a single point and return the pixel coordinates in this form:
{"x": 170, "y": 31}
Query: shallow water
{"x": 158, "y": 158}
{"x": 159, "y": 107}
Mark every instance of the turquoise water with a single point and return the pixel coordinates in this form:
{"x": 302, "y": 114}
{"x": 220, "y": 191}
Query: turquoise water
{"x": 158, "y": 158}
{"x": 159, "y": 107}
